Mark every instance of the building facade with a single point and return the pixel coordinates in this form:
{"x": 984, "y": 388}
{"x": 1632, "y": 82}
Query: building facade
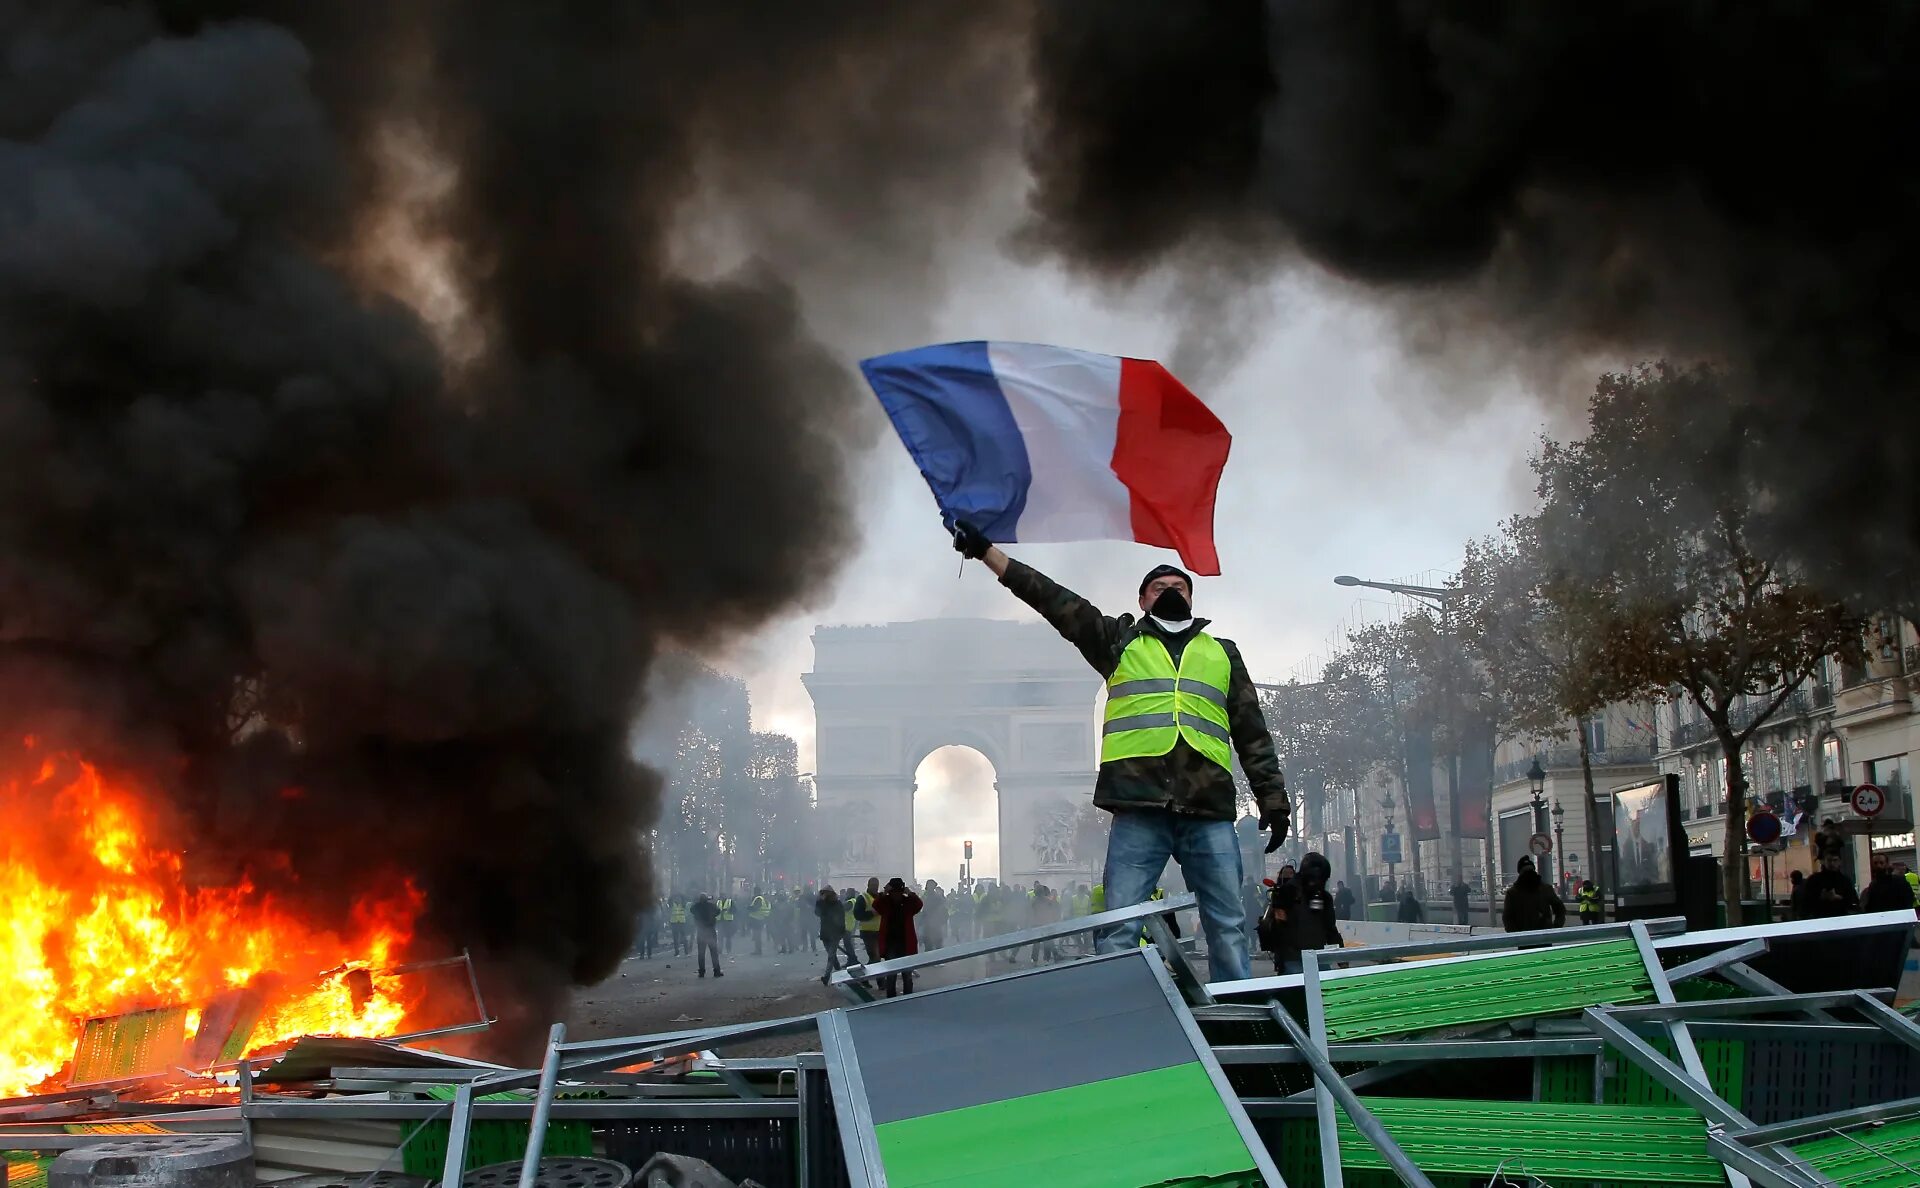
{"x": 1620, "y": 751}
{"x": 1846, "y": 727}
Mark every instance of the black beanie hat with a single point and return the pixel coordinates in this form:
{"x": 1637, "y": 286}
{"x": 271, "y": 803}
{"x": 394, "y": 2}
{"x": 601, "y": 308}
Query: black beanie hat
{"x": 1160, "y": 571}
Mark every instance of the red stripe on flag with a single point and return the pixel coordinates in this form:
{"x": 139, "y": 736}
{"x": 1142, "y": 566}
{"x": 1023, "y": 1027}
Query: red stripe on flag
{"x": 1169, "y": 452}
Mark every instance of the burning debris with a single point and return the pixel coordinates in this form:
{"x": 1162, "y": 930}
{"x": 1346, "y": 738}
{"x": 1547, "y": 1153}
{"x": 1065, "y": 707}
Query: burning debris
{"x": 105, "y": 916}
{"x": 360, "y": 604}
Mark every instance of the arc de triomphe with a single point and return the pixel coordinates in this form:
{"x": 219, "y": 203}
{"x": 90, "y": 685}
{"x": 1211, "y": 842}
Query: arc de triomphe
{"x": 885, "y": 697}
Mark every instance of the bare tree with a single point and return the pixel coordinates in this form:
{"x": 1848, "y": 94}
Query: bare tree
{"x": 1537, "y": 629}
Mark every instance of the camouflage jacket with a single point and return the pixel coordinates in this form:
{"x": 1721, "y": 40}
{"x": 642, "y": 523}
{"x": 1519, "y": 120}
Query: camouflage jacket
{"x": 1182, "y": 780}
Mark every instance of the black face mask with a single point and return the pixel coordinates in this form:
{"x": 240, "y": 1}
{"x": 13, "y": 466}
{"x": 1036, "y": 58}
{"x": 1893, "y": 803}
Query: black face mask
{"x": 1171, "y": 606}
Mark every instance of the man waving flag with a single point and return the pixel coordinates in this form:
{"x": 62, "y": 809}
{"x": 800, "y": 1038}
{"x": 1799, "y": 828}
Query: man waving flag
{"x": 1039, "y": 443}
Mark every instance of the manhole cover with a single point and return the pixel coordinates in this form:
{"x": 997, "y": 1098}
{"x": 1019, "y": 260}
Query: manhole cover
{"x": 566, "y": 1172}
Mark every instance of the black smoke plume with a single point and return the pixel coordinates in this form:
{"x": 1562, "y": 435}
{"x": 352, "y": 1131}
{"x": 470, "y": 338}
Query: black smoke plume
{"x": 1718, "y": 180}
{"x": 377, "y": 593}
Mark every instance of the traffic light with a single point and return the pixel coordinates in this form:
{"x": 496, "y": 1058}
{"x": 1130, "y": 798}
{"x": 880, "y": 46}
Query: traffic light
{"x": 969, "y": 853}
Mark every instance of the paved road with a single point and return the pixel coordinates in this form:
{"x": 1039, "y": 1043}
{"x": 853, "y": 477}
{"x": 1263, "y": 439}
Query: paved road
{"x": 664, "y": 994}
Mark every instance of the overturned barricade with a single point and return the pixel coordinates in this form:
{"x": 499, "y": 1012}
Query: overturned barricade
{"x": 1616, "y": 1055}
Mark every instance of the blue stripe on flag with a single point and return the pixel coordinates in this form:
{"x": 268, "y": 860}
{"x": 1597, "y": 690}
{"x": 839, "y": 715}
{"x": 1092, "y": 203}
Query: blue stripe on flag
{"x": 950, "y": 412}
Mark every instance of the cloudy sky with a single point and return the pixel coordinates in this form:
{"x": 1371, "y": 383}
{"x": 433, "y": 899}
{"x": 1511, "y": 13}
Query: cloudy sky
{"x": 1351, "y": 454}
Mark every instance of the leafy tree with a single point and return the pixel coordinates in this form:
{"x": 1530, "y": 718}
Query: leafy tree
{"x": 697, "y": 735}
{"x": 1654, "y": 514}
{"x": 785, "y": 836}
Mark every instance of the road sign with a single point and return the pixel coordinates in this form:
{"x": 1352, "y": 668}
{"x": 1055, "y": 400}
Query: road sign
{"x": 1390, "y": 849}
{"x": 1868, "y": 800}
{"x": 1763, "y": 828}
{"x": 1540, "y": 845}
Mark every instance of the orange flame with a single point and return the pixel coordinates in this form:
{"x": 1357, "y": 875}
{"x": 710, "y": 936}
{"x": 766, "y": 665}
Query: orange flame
{"x": 97, "y": 917}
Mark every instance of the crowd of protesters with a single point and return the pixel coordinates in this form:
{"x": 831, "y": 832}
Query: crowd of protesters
{"x": 854, "y": 926}
{"x": 1830, "y": 891}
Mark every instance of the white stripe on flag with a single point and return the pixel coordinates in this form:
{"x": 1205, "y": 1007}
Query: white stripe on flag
{"x": 1067, "y": 405}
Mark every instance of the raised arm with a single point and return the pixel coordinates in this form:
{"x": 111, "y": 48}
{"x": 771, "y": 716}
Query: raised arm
{"x": 996, "y": 560}
{"x": 1078, "y": 621}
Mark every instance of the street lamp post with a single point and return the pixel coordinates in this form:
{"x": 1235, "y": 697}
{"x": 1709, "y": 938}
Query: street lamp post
{"x": 1537, "y": 777}
{"x": 1559, "y": 844}
{"x": 1386, "y": 806}
{"x": 1434, "y": 594}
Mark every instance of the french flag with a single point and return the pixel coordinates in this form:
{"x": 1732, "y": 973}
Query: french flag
{"x": 1042, "y": 443}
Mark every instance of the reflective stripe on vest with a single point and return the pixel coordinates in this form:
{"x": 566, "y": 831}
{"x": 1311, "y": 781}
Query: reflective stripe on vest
{"x": 678, "y": 914}
{"x": 759, "y": 909}
{"x": 1150, "y": 704}
{"x": 726, "y": 911}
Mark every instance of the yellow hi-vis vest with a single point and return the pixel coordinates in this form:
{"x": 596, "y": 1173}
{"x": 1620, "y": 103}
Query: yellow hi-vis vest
{"x": 726, "y": 911}
{"x": 1150, "y": 704}
{"x": 872, "y": 922}
{"x": 678, "y": 913}
{"x": 760, "y": 910}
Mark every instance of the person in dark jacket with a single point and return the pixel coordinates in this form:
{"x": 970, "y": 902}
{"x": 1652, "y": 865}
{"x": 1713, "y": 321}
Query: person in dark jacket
{"x": 933, "y": 916}
{"x": 706, "y": 919}
{"x": 1300, "y": 916}
{"x": 1253, "y": 902}
{"x": 1886, "y": 891}
{"x": 832, "y": 915}
{"x": 1410, "y": 910}
{"x": 1167, "y": 746}
{"x": 897, "y": 906}
{"x": 1532, "y": 904}
{"x": 1342, "y": 901}
{"x": 1827, "y": 891}
{"x": 1460, "y": 893}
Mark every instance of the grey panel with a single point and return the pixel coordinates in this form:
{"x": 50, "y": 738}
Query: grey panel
{"x": 1071, "y": 1025}
{"x": 1811, "y": 1074}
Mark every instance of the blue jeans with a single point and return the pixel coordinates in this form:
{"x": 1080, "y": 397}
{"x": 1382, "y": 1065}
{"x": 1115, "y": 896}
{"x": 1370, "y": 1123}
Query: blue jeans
{"x": 1208, "y": 852}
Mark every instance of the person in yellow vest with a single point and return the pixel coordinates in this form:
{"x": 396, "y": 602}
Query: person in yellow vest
{"x": 1589, "y": 897}
{"x": 677, "y": 924}
{"x": 1173, "y": 918}
{"x": 1096, "y": 902}
{"x": 868, "y": 919}
{"x": 757, "y": 912}
{"x": 1180, "y": 706}
{"x": 1080, "y": 903}
{"x": 726, "y": 924}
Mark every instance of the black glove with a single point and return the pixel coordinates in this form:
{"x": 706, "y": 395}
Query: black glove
{"x": 1278, "y": 822}
{"x": 969, "y": 541}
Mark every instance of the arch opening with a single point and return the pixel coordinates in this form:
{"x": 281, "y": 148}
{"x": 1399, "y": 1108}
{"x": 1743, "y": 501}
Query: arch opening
{"x": 955, "y": 799}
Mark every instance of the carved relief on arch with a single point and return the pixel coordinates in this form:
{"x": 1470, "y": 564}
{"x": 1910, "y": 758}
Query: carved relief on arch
{"x": 855, "y": 748}
{"x": 849, "y": 833}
